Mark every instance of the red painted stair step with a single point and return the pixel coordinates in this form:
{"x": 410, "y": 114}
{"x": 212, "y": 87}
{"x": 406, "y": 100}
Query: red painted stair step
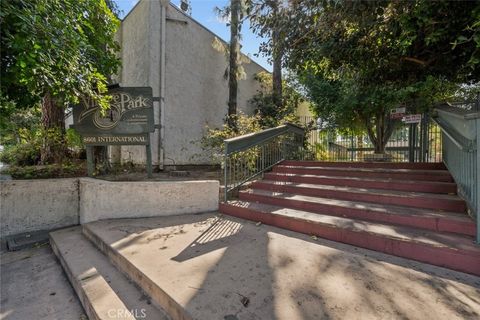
{"x": 402, "y": 174}
{"x": 410, "y": 199}
{"x": 371, "y": 183}
{"x": 390, "y": 165}
{"x": 412, "y": 217}
{"x": 446, "y": 250}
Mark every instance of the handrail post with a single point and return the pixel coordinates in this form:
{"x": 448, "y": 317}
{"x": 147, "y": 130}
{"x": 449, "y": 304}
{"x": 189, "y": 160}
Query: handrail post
{"x": 225, "y": 182}
{"x": 477, "y": 130}
{"x": 302, "y": 147}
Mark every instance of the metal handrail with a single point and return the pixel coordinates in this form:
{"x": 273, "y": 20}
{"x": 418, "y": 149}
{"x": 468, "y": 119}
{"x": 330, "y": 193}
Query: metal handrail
{"x": 250, "y": 155}
{"x": 249, "y": 140}
{"x": 457, "y": 138}
{"x": 461, "y": 145}
{"x": 458, "y": 112}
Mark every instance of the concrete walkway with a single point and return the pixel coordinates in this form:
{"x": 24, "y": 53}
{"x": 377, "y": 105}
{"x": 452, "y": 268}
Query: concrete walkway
{"x": 217, "y": 267}
{"x": 33, "y": 286}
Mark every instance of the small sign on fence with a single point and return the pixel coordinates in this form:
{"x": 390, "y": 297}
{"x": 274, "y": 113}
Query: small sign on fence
{"x": 398, "y": 113}
{"x": 412, "y": 118}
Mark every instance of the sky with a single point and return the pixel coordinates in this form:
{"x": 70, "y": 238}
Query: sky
{"x": 203, "y": 12}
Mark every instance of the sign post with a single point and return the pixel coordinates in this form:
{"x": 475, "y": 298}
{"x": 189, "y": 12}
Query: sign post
{"x": 128, "y": 121}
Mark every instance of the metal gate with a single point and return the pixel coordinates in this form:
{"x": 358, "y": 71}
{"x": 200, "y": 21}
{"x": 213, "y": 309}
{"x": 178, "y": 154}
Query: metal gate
{"x": 416, "y": 142}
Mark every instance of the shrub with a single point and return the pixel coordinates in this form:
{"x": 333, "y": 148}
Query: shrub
{"x": 65, "y": 170}
{"x": 25, "y": 149}
{"x": 75, "y": 145}
{"x": 22, "y": 154}
{"x": 212, "y": 141}
{"x": 263, "y": 102}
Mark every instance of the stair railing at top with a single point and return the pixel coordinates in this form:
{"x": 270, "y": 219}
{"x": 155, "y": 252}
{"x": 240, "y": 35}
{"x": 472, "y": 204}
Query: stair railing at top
{"x": 460, "y": 125}
{"x": 252, "y": 154}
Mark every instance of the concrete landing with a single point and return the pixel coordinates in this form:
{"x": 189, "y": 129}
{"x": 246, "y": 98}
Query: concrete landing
{"x": 104, "y": 292}
{"x": 215, "y": 267}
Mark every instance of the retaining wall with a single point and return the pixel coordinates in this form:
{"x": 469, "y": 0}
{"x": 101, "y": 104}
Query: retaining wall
{"x": 33, "y": 205}
{"x": 102, "y": 200}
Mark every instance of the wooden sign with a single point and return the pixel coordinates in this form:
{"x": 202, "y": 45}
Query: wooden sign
{"x": 130, "y": 113}
{"x": 128, "y": 121}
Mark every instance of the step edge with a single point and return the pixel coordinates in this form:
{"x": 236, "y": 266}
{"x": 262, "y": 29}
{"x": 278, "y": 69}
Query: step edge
{"x": 367, "y": 179}
{"x": 435, "y": 219}
{"x": 476, "y": 253}
{"x": 356, "y": 190}
{"x": 372, "y": 170}
{"x": 407, "y": 199}
{"x": 86, "y": 302}
{"x": 392, "y": 247}
{"x": 458, "y": 215}
{"x": 359, "y": 174}
{"x": 441, "y": 165}
{"x": 166, "y": 302}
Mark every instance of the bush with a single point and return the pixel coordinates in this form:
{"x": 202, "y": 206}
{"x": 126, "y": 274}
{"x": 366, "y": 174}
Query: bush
{"x": 75, "y": 144}
{"x": 212, "y": 141}
{"x": 263, "y": 103}
{"x": 22, "y": 154}
{"x": 27, "y": 150}
{"x": 66, "y": 170}
{"x": 16, "y": 124}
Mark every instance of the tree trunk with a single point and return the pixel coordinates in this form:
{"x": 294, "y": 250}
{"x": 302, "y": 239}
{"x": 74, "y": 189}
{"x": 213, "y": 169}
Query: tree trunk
{"x": 53, "y": 122}
{"x": 233, "y": 63}
{"x": 277, "y": 62}
{"x": 359, "y": 146}
{"x": 379, "y": 131}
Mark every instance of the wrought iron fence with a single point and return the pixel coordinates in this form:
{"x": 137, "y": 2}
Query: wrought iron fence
{"x": 250, "y": 155}
{"x": 408, "y": 143}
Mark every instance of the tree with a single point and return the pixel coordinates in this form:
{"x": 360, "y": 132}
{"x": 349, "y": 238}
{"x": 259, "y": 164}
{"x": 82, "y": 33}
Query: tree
{"x": 54, "y": 52}
{"x": 235, "y": 13}
{"x": 270, "y": 115}
{"x": 359, "y": 59}
{"x": 266, "y": 18}
{"x": 235, "y": 25}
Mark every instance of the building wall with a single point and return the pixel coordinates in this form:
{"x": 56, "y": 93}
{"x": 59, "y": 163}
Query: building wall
{"x": 196, "y": 92}
{"x": 140, "y": 49}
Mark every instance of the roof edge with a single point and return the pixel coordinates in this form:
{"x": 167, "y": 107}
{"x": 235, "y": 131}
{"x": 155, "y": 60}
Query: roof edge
{"x": 198, "y": 23}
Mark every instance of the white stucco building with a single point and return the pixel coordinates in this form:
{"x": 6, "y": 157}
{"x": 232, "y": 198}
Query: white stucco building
{"x": 164, "y": 48}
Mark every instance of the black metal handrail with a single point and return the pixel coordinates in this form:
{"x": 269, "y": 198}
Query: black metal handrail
{"x": 250, "y": 155}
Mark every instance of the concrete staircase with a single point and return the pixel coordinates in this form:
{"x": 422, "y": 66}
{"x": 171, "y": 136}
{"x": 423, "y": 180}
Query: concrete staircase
{"x": 409, "y": 210}
{"x": 103, "y": 290}
{"x": 126, "y": 269}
